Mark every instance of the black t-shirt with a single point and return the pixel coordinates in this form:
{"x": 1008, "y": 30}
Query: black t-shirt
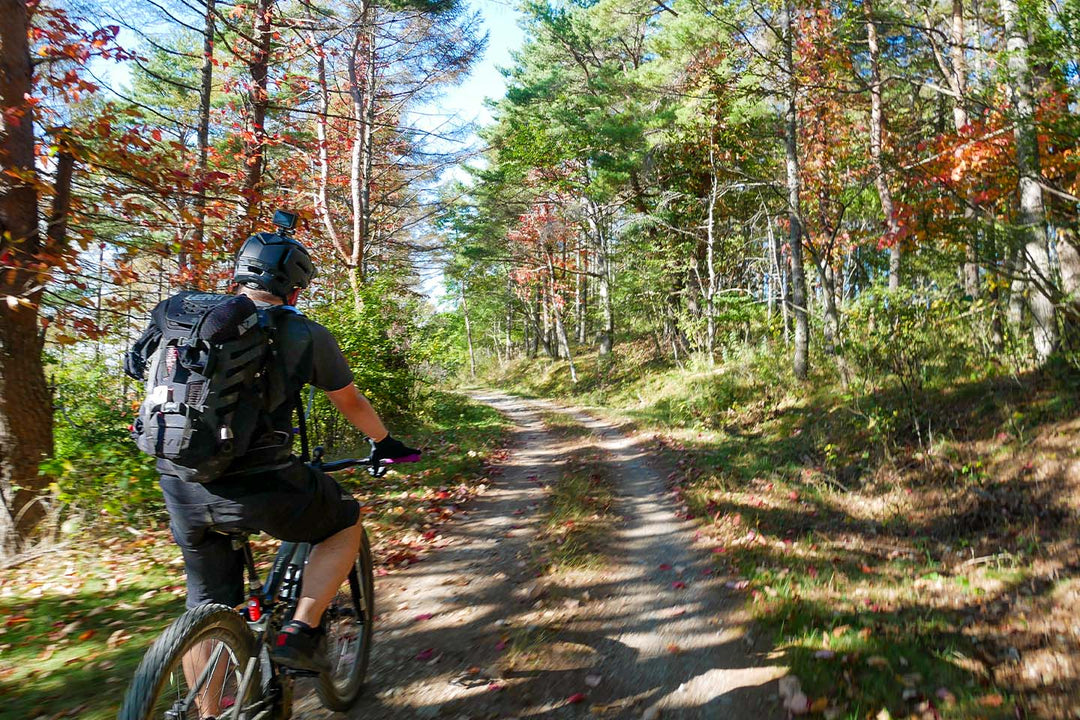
{"x": 299, "y": 336}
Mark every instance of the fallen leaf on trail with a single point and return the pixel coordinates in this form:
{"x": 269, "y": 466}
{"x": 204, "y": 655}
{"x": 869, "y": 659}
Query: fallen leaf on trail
{"x": 424, "y": 616}
{"x": 575, "y": 698}
{"x": 819, "y": 705}
{"x": 674, "y": 649}
{"x": 592, "y": 680}
{"x": 47, "y": 652}
{"x": 678, "y": 584}
{"x": 737, "y": 584}
{"x": 426, "y": 654}
{"x": 665, "y": 566}
{"x": 86, "y": 635}
{"x": 798, "y": 704}
{"x": 993, "y": 700}
{"x": 495, "y": 686}
{"x": 118, "y": 637}
{"x": 501, "y": 645}
{"x": 17, "y": 620}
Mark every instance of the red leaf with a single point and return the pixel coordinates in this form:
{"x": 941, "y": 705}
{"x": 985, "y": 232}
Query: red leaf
{"x": 678, "y": 584}
{"x": 576, "y": 698}
{"x": 426, "y": 654}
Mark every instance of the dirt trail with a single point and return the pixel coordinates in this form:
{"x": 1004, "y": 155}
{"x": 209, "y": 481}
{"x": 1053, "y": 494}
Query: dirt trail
{"x": 623, "y": 635}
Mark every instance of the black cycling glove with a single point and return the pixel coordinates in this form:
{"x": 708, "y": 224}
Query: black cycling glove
{"x": 393, "y": 450}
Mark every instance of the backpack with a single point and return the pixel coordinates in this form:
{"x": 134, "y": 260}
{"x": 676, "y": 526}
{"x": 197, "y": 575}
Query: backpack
{"x": 212, "y": 380}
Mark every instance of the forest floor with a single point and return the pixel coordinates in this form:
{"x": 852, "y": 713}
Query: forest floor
{"x": 932, "y": 576}
{"x": 668, "y": 552}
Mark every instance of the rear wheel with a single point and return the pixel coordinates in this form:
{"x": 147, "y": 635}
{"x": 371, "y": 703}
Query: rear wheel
{"x": 195, "y": 669}
{"x": 349, "y": 624}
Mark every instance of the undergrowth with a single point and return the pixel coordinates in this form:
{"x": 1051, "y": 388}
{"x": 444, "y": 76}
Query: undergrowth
{"x": 75, "y": 622}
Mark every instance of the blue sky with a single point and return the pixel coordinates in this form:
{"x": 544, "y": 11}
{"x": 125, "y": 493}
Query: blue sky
{"x": 500, "y": 18}
{"x": 466, "y": 102}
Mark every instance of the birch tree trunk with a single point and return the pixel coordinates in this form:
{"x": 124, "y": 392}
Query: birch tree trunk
{"x": 560, "y": 329}
{"x": 468, "y": 332}
{"x": 710, "y": 262}
{"x": 798, "y": 275}
{"x": 1032, "y": 212}
{"x": 606, "y": 336}
{"x": 361, "y": 67}
{"x": 877, "y": 135}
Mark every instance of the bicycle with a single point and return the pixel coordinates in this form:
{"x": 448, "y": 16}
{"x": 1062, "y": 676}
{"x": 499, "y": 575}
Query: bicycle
{"x": 238, "y": 680}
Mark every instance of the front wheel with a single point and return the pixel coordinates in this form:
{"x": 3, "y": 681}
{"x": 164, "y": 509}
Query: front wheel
{"x": 200, "y": 667}
{"x": 349, "y": 622}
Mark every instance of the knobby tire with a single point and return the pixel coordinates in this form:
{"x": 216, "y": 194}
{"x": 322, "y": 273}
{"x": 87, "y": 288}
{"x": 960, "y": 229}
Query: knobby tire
{"x": 343, "y": 694}
{"x": 206, "y": 622}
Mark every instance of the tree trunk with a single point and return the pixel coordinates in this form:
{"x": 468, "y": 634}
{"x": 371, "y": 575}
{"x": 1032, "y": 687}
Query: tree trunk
{"x": 798, "y": 276}
{"x": 1069, "y": 259}
{"x": 877, "y": 138}
{"x": 830, "y": 325}
{"x": 361, "y": 69}
{"x": 710, "y": 262}
{"x": 779, "y": 269}
{"x": 26, "y": 428}
{"x": 1032, "y": 212}
{"x": 255, "y": 150}
{"x": 560, "y": 329}
{"x": 206, "y": 88}
{"x": 606, "y": 337}
{"x": 468, "y": 332}
{"x": 320, "y": 189}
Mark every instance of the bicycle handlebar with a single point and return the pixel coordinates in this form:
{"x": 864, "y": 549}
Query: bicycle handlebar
{"x": 375, "y": 467}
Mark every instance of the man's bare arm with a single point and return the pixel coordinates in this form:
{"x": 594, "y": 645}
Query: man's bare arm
{"x": 357, "y": 410}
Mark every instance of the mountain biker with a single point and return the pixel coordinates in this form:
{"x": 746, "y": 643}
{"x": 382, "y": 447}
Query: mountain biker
{"x": 269, "y": 489}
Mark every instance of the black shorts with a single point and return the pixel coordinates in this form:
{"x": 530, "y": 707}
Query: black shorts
{"x": 297, "y": 504}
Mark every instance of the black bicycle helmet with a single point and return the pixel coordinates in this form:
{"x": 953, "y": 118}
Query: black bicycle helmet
{"x": 275, "y": 263}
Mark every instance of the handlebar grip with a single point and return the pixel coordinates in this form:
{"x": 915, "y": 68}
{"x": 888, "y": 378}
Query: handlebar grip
{"x": 415, "y": 457}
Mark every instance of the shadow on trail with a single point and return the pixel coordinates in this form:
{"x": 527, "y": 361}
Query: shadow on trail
{"x": 648, "y": 641}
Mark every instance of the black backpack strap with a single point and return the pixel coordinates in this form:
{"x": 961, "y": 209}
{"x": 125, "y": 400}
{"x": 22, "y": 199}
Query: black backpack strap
{"x": 305, "y": 456}
{"x": 135, "y": 360}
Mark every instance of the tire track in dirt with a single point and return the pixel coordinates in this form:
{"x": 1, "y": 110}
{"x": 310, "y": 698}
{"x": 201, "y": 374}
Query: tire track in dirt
{"x": 633, "y": 638}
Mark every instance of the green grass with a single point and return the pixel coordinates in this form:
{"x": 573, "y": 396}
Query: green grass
{"x": 135, "y": 584}
{"x": 50, "y": 668}
{"x": 578, "y": 518}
